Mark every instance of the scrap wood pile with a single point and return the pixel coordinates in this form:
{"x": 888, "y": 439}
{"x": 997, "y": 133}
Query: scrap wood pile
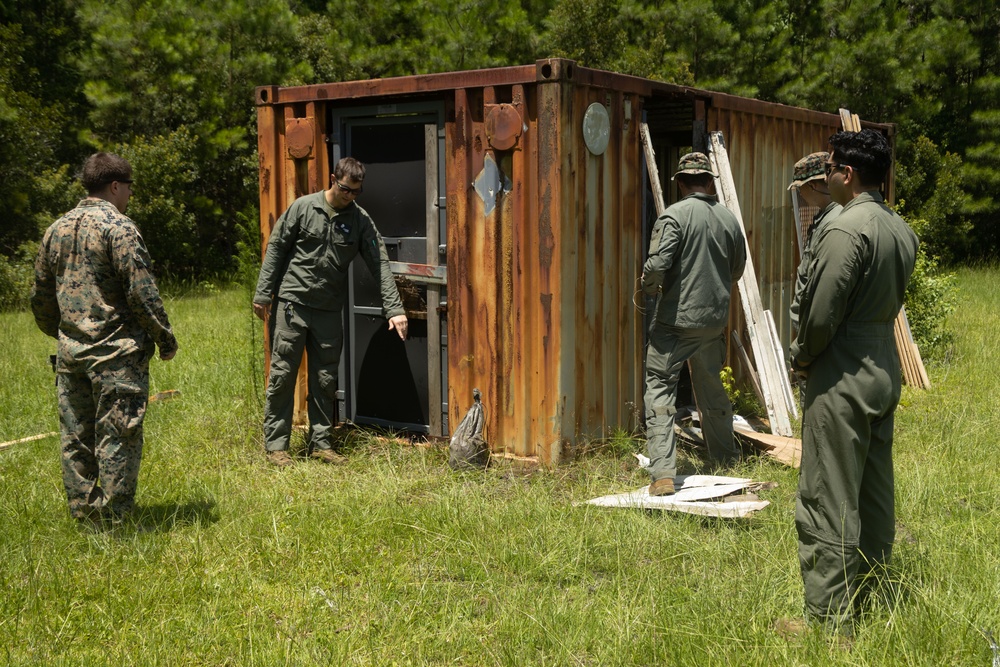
{"x": 783, "y": 449}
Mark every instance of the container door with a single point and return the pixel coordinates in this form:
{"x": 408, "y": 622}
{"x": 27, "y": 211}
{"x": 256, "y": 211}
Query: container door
{"x": 385, "y": 381}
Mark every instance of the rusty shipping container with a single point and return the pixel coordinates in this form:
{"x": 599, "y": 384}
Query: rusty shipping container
{"x": 516, "y": 209}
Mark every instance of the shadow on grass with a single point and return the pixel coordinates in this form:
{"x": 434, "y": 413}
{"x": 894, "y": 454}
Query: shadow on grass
{"x": 164, "y": 517}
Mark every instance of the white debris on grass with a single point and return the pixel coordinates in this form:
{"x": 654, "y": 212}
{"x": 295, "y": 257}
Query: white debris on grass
{"x": 695, "y": 494}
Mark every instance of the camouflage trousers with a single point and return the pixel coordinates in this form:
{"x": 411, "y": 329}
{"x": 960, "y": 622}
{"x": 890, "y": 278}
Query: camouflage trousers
{"x": 100, "y": 419}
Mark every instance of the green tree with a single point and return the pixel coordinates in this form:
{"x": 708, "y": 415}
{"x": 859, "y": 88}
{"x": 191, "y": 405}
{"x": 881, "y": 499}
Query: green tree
{"x": 39, "y": 102}
{"x": 177, "y": 69}
{"x": 982, "y": 170}
{"x": 933, "y": 197}
{"x": 358, "y": 39}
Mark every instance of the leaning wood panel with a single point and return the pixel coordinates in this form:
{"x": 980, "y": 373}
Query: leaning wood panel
{"x": 769, "y": 369}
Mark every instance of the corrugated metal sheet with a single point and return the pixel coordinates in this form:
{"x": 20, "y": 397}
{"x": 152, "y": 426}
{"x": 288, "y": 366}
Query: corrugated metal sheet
{"x": 764, "y": 142}
{"x": 540, "y": 280}
{"x": 542, "y": 319}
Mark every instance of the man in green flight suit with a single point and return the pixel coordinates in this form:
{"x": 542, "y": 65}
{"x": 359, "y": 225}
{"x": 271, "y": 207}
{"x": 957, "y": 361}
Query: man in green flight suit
{"x": 95, "y": 294}
{"x": 696, "y": 252}
{"x": 809, "y": 181}
{"x": 303, "y": 281}
{"x": 860, "y": 266}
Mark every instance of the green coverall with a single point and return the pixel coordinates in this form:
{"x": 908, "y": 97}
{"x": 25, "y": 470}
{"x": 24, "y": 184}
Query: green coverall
{"x": 308, "y": 256}
{"x": 861, "y": 263}
{"x": 696, "y": 252}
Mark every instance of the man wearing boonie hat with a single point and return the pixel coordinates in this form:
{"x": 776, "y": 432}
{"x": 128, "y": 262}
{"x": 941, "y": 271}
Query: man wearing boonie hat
{"x": 696, "y": 252}
{"x": 809, "y": 179}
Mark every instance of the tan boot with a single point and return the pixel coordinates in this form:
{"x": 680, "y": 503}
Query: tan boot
{"x": 279, "y": 458}
{"x": 662, "y": 487}
{"x": 328, "y": 456}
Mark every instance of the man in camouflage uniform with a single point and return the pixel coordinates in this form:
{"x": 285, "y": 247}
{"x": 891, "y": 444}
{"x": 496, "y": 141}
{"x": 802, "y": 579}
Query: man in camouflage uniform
{"x": 303, "y": 281}
{"x": 696, "y": 252}
{"x": 94, "y": 292}
{"x": 861, "y": 263}
{"x": 809, "y": 181}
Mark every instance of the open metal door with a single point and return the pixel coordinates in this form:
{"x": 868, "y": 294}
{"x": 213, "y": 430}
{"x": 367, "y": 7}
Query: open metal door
{"x": 385, "y": 381}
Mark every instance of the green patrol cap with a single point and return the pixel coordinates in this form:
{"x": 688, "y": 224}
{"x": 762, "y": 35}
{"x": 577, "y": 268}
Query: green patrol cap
{"x": 693, "y": 163}
{"x": 809, "y": 168}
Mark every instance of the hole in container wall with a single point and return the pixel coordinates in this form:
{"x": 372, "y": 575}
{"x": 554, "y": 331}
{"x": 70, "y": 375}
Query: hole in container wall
{"x": 263, "y": 96}
{"x": 546, "y": 71}
{"x": 569, "y": 71}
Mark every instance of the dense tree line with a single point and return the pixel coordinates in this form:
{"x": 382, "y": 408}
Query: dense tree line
{"x": 169, "y": 84}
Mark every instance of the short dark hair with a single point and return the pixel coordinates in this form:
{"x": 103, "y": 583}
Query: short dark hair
{"x": 100, "y": 169}
{"x": 867, "y": 151}
{"x": 351, "y": 168}
{"x": 695, "y": 180}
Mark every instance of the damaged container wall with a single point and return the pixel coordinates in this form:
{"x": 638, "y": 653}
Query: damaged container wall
{"x": 543, "y": 229}
{"x": 541, "y": 279}
{"x": 764, "y": 141}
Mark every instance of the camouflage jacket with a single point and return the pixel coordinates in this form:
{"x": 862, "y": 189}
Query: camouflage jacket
{"x": 94, "y": 291}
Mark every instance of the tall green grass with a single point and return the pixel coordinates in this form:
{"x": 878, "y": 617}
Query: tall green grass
{"x": 394, "y": 559}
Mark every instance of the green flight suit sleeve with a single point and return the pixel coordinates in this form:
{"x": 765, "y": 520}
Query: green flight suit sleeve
{"x": 663, "y": 244}
{"x": 279, "y": 245}
{"x": 44, "y": 304}
{"x": 131, "y": 262}
{"x": 377, "y": 260}
{"x": 833, "y": 275}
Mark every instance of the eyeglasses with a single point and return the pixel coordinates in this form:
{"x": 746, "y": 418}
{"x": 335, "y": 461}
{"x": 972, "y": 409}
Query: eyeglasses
{"x": 830, "y": 166}
{"x": 349, "y": 191}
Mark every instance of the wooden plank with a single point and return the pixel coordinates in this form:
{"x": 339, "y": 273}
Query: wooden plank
{"x": 30, "y": 438}
{"x": 772, "y": 373}
{"x": 921, "y": 370}
{"x": 779, "y": 354}
{"x": 798, "y": 221}
{"x": 435, "y": 419}
{"x": 786, "y": 450}
{"x": 654, "y": 172}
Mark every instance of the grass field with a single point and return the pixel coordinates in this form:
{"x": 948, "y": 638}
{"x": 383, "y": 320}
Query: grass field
{"x": 395, "y": 560}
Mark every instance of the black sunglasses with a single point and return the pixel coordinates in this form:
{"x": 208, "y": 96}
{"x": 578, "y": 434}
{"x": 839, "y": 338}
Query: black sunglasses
{"x": 830, "y": 166}
{"x": 350, "y": 191}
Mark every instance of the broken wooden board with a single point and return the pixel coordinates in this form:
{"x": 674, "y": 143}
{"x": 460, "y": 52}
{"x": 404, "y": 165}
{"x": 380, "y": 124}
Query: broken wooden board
{"x": 696, "y": 494}
{"x": 780, "y": 448}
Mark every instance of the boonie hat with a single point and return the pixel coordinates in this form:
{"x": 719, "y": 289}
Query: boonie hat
{"x": 694, "y": 163}
{"x": 809, "y": 168}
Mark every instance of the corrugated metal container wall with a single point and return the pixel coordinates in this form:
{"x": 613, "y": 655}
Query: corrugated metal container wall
{"x": 763, "y": 142}
{"x": 541, "y": 318}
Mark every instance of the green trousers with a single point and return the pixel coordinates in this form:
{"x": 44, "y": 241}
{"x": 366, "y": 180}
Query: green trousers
{"x": 845, "y": 515}
{"x": 669, "y": 348}
{"x": 321, "y": 334}
{"x": 100, "y": 422}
